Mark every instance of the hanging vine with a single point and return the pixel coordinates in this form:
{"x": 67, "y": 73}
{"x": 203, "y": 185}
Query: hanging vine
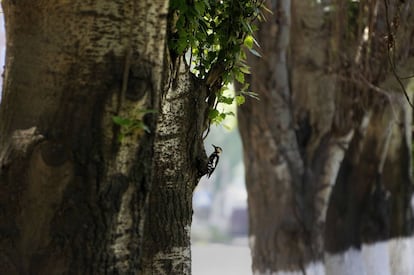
{"x": 213, "y": 35}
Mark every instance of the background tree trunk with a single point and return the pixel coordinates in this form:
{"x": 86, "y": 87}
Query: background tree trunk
{"x": 371, "y": 201}
{"x": 324, "y": 94}
{"x": 73, "y": 197}
{"x": 274, "y": 167}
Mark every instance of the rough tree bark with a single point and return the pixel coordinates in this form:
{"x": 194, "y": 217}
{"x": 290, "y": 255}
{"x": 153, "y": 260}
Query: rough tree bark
{"x": 371, "y": 201}
{"x": 178, "y": 157}
{"x": 318, "y": 82}
{"x": 73, "y": 197}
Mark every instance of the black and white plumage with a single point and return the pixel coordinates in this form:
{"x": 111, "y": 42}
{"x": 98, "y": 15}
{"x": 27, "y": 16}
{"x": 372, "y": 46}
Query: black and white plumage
{"x": 213, "y": 160}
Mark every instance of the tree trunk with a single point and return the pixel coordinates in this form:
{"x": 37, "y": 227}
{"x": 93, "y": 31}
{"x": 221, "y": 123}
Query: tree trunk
{"x": 320, "y": 102}
{"x": 273, "y": 164}
{"x": 73, "y": 195}
{"x": 177, "y": 153}
{"x": 371, "y": 200}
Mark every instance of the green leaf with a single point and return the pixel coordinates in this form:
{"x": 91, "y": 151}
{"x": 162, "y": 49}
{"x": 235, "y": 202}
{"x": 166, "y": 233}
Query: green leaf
{"x": 245, "y": 69}
{"x": 213, "y": 113}
{"x": 219, "y": 118}
{"x": 239, "y": 76}
{"x": 254, "y": 52}
{"x": 245, "y": 87}
{"x": 263, "y": 6}
{"x": 207, "y": 3}
{"x": 225, "y": 100}
{"x": 256, "y": 43}
{"x": 240, "y": 99}
{"x": 228, "y": 128}
{"x": 121, "y": 121}
{"x": 200, "y": 7}
{"x": 248, "y": 41}
{"x": 247, "y": 26}
{"x": 147, "y": 111}
{"x": 143, "y": 126}
{"x": 121, "y": 136}
{"x": 251, "y": 94}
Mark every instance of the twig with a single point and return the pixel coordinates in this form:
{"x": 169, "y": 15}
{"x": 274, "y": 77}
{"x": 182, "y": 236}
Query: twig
{"x": 390, "y": 46}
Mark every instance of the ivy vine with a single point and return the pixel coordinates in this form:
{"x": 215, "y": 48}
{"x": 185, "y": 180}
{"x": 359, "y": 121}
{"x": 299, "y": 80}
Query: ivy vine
{"x": 214, "y": 34}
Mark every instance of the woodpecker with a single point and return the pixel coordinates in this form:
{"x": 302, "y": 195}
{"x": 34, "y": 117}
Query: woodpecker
{"x": 213, "y": 160}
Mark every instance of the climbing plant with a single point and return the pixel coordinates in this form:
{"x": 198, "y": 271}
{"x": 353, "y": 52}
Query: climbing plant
{"x": 213, "y": 35}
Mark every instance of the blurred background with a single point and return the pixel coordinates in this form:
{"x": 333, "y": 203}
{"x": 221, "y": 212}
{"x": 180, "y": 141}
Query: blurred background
{"x": 220, "y": 220}
{"x": 220, "y": 202}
